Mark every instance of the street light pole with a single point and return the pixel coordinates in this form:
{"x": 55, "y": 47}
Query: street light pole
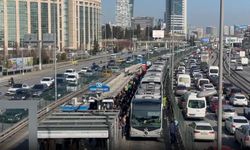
{"x": 54, "y": 37}
{"x": 219, "y": 138}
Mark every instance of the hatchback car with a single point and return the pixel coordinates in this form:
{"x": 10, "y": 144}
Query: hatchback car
{"x": 21, "y": 94}
{"x": 202, "y": 131}
{"x": 234, "y": 122}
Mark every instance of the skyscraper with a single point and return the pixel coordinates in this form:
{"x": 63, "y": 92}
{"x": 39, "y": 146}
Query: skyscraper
{"x": 211, "y": 31}
{"x": 226, "y": 30}
{"x": 124, "y": 12}
{"x": 176, "y": 17}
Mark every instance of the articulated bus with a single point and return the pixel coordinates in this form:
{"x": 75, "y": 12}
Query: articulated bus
{"x": 146, "y": 116}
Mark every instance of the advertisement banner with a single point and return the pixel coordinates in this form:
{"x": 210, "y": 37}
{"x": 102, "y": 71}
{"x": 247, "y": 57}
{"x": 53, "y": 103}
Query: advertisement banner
{"x": 15, "y": 64}
{"x": 158, "y": 33}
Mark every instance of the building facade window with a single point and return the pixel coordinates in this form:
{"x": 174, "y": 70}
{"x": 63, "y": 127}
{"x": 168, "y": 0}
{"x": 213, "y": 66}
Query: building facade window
{"x": 44, "y": 17}
{"x": 11, "y": 11}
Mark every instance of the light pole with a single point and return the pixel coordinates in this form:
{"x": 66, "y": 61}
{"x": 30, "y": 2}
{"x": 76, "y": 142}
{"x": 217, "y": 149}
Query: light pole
{"x": 54, "y": 37}
{"x": 22, "y": 63}
{"x": 219, "y": 138}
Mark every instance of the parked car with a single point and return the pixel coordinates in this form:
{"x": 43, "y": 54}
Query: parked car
{"x": 13, "y": 115}
{"x": 12, "y": 90}
{"x": 234, "y": 122}
{"x": 38, "y": 89}
{"x": 202, "y": 131}
{"x": 242, "y": 136}
{"x": 49, "y": 81}
{"x": 238, "y": 99}
{"x": 21, "y": 94}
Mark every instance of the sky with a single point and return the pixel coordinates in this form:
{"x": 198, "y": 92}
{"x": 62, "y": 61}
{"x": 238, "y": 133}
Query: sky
{"x": 200, "y": 12}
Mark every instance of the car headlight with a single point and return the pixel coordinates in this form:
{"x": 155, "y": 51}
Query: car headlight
{"x": 23, "y": 97}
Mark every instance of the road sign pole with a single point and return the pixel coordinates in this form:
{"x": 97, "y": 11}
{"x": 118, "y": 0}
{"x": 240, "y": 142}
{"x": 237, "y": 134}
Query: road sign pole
{"x": 40, "y": 54}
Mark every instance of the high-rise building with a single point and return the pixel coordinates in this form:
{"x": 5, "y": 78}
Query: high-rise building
{"x": 124, "y": 13}
{"x": 144, "y": 22}
{"x": 231, "y": 30}
{"x": 76, "y": 22}
{"x": 226, "y": 30}
{"x": 211, "y": 31}
{"x": 176, "y": 17}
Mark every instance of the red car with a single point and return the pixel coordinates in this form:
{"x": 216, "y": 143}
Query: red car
{"x": 214, "y": 104}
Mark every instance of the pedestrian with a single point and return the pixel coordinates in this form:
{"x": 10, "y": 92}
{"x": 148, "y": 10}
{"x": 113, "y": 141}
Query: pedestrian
{"x": 173, "y": 130}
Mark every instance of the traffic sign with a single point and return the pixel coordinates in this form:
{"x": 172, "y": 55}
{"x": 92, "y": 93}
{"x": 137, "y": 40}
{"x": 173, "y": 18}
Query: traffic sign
{"x": 99, "y": 87}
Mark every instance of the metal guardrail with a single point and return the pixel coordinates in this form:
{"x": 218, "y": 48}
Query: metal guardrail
{"x": 184, "y": 131}
{"x": 41, "y": 113}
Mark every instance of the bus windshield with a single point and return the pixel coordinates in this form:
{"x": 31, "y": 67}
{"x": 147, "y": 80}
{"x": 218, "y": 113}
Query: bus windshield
{"x": 144, "y": 115}
{"x": 184, "y": 80}
{"x": 196, "y": 104}
{"x": 213, "y": 70}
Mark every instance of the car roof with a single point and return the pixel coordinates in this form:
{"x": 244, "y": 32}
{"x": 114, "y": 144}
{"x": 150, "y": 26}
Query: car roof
{"x": 238, "y": 94}
{"x": 239, "y": 117}
{"x": 202, "y": 123}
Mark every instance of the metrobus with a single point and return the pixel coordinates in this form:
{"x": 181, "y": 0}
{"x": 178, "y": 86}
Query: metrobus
{"x": 146, "y": 116}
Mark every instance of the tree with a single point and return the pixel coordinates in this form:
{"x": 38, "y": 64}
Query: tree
{"x": 108, "y": 31}
{"x": 128, "y": 33}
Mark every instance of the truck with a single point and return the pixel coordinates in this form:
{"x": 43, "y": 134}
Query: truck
{"x": 244, "y": 61}
{"x": 242, "y": 54}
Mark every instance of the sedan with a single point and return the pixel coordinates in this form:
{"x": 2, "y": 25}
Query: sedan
{"x": 38, "y": 89}
{"x": 239, "y": 68}
{"x": 234, "y": 122}
{"x": 12, "y": 90}
{"x": 227, "y": 111}
{"x": 22, "y": 94}
{"x": 206, "y": 87}
{"x": 242, "y": 136}
{"x": 238, "y": 99}
{"x": 202, "y": 131}
{"x": 49, "y": 81}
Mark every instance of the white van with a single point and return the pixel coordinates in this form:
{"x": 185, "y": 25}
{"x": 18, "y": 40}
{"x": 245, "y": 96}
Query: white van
{"x": 213, "y": 71}
{"x": 195, "y": 107}
{"x": 184, "y": 79}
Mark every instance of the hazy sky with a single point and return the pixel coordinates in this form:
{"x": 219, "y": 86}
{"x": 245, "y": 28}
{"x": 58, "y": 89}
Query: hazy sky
{"x": 200, "y": 12}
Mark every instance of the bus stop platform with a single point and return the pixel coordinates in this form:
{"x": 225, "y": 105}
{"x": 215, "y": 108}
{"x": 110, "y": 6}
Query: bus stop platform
{"x": 80, "y": 125}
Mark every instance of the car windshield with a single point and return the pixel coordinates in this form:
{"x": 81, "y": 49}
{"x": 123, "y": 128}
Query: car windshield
{"x": 203, "y": 127}
{"x": 89, "y": 71}
{"x": 60, "y": 75}
{"x": 146, "y": 115}
{"x": 21, "y": 91}
{"x": 236, "y": 90}
{"x": 240, "y": 97}
{"x": 229, "y": 110}
{"x": 213, "y": 70}
{"x": 181, "y": 88}
{"x": 209, "y": 86}
{"x": 46, "y": 79}
{"x": 196, "y": 104}
{"x": 183, "y": 79}
{"x": 69, "y": 71}
{"x": 240, "y": 121}
{"x": 70, "y": 76}
{"x": 38, "y": 86}
{"x": 204, "y": 82}
{"x": 17, "y": 86}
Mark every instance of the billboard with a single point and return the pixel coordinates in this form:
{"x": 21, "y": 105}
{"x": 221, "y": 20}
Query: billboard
{"x": 158, "y": 33}
{"x": 15, "y": 64}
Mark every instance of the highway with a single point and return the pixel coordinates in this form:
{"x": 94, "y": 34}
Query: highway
{"x": 240, "y": 79}
{"x": 37, "y": 77}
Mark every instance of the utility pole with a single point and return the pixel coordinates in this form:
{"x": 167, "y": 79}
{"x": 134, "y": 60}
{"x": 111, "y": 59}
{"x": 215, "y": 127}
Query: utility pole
{"x": 54, "y": 37}
{"x": 219, "y": 138}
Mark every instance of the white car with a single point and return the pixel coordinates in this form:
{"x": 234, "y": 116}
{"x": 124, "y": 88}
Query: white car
{"x": 233, "y": 60}
{"x": 239, "y": 68}
{"x": 70, "y": 72}
{"x": 238, "y": 99}
{"x": 234, "y": 122}
{"x": 242, "y": 136}
{"x": 49, "y": 81}
{"x": 72, "y": 79}
{"x": 202, "y": 131}
{"x": 12, "y": 90}
{"x": 227, "y": 111}
{"x": 89, "y": 72}
{"x": 206, "y": 87}
{"x": 84, "y": 70}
